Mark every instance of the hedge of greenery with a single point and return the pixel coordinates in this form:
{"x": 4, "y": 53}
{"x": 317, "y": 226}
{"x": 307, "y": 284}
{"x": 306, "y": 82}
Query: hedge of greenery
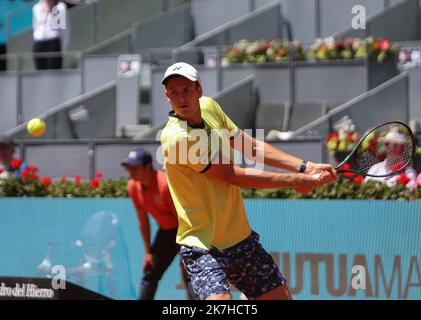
{"x": 277, "y": 50}
{"x": 341, "y": 190}
{"x": 95, "y": 188}
{"x": 98, "y": 188}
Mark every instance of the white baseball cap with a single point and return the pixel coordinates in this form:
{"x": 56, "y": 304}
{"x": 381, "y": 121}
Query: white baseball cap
{"x": 182, "y": 69}
{"x": 396, "y": 137}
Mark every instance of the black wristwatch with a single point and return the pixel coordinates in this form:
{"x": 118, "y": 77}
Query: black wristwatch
{"x": 303, "y": 166}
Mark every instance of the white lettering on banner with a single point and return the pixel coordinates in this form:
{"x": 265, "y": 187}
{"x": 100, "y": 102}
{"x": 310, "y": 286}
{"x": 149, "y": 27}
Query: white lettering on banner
{"x": 376, "y": 277}
{"x": 25, "y": 290}
{"x": 33, "y": 291}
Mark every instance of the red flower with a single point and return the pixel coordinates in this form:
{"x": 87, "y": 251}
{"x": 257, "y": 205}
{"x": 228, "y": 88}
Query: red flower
{"x": 355, "y": 137}
{"x": 95, "y": 183}
{"x": 24, "y": 174}
{"x": 32, "y": 169}
{"x": 63, "y": 179}
{"x": 397, "y": 166}
{"x": 403, "y": 179}
{"x": 99, "y": 174}
{"x": 1, "y": 170}
{"x": 358, "y": 179}
{"x": 348, "y": 175}
{"x": 30, "y": 173}
{"x": 282, "y": 52}
{"x": 262, "y": 47}
{"x": 46, "y": 181}
{"x": 339, "y": 45}
{"x": 372, "y": 147}
{"x": 385, "y": 45}
{"x": 349, "y": 137}
{"x": 345, "y": 167}
{"x": 333, "y": 134}
{"x": 375, "y": 46}
{"x": 324, "y": 47}
{"x": 77, "y": 179}
{"x": 15, "y": 164}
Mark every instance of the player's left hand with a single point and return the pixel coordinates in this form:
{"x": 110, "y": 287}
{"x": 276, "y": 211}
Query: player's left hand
{"x": 148, "y": 261}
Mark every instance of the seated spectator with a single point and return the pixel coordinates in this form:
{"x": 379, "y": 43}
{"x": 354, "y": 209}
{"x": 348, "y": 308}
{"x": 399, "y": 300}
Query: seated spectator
{"x": 394, "y": 143}
{"x": 9, "y": 165}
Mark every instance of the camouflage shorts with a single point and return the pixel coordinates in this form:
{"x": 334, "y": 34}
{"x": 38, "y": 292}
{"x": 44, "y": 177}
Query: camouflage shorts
{"x": 246, "y": 265}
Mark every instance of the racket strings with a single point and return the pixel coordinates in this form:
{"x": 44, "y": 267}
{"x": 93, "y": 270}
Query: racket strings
{"x": 385, "y": 151}
{"x": 366, "y": 161}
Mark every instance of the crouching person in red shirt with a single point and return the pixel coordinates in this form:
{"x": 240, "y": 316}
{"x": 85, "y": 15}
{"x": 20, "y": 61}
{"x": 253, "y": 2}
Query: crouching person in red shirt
{"x": 149, "y": 192}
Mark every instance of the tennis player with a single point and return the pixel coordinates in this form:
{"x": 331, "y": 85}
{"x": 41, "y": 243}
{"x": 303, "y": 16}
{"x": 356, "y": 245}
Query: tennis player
{"x": 218, "y": 245}
{"x": 149, "y": 192}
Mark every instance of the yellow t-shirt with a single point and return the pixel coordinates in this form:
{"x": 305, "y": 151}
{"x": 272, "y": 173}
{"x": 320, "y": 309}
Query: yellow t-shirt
{"x": 210, "y": 211}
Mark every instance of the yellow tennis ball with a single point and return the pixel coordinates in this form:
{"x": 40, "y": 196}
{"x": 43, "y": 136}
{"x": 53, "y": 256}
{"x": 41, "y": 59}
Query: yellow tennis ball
{"x": 36, "y": 127}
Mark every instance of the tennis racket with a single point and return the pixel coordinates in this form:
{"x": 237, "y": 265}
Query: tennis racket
{"x": 382, "y": 151}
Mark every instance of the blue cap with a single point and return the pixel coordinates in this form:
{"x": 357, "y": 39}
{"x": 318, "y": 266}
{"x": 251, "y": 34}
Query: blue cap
{"x": 137, "y": 157}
